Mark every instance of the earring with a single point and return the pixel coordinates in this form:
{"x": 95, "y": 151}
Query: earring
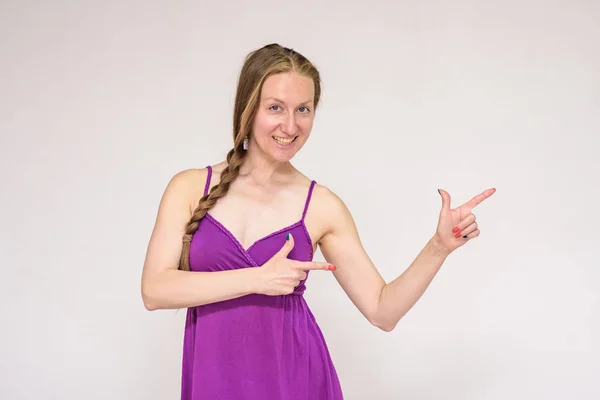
{"x": 246, "y": 143}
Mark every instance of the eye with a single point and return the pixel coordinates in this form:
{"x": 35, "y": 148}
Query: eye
{"x": 273, "y": 106}
{"x": 305, "y": 108}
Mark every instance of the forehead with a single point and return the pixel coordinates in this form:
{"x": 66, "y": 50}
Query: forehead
{"x": 289, "y": 87}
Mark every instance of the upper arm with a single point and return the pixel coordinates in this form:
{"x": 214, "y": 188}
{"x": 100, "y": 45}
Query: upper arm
{"x": 174, "y": 213}
{"x": 341, "y": 246}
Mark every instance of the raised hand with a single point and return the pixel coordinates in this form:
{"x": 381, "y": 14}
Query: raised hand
{"x": 280, "y": 275}
{"x": 457, "y": 226}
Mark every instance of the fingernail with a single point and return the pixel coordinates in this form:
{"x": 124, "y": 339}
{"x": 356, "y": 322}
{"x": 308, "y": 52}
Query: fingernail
{"x": 455, "y": 230}
{"x": 332, "y": 268}
{"x": 457, "y": 235}
{"x": 464, "y": 237}
{"x": 439, "y": 192}
{"x": 287, "y": 236}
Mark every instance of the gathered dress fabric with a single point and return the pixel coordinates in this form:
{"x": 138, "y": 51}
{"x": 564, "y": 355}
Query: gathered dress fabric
{"x": 254, "y": 347}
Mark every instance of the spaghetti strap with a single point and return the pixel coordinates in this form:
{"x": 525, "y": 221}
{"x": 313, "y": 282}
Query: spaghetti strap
{"x": 310, "y": 190}
{"x": 209, "y": 168}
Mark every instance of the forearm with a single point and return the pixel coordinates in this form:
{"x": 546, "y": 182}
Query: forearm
{"x": 173, "y": 289}
{"x": 401, "y": 294}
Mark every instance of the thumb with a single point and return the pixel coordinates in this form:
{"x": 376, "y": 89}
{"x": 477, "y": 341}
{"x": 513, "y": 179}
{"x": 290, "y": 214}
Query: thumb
{"x": 288, "y": 245}
{"x": 445, "y": 199}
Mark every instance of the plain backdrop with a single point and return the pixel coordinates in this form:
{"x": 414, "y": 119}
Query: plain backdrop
{"x": 101, "y": 103}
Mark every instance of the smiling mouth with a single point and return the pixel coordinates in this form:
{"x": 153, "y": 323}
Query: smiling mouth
{"x": 284, "y": 141}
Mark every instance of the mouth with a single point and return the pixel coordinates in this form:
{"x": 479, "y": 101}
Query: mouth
{"x": 284, "y": 142}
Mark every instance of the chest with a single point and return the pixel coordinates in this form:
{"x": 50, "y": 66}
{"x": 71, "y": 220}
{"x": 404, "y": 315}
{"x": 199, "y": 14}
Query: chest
{"x": 250, "y": 217}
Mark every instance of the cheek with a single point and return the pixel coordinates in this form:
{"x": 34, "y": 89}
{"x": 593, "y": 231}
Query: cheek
{"x": 263, "y": 125}
{"x": 306, "y": 125}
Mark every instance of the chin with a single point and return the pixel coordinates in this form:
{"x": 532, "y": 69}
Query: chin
{"x": 284, "y": 151}
{"x": 282, "y": 156}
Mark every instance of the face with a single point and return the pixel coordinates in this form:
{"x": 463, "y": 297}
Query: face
{"x": 285, "y": 115}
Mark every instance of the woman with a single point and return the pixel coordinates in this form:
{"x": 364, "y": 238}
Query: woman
{"x": 250, "y": 226}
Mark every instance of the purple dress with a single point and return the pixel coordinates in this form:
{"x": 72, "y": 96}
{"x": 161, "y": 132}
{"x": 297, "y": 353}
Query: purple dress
{"x": 255, "y": 347}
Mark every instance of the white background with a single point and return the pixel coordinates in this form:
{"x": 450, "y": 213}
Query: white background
{"x": 101, "y": 103}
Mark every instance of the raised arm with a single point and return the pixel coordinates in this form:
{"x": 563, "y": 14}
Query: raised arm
{"x": 385, "y": 304}
{"x": 163, "y": 285}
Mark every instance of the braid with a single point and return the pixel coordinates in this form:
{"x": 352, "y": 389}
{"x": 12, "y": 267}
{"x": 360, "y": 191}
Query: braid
{"x": 235, "y": 158}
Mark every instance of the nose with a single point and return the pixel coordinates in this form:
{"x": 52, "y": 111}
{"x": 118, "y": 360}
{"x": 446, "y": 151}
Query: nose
{"x": 289, "y": 126}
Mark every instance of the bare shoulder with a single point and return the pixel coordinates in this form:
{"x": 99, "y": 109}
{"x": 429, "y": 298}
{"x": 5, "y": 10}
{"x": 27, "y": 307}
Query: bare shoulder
{"x": 187, "y": 186}
{"x": 329, "y": 210}
{"x": 189, "y": 180}
{"x": 326, "y": 200}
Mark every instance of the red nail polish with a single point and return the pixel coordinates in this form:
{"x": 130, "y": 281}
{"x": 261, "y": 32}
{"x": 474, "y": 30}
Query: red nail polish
{"x": 455, "y": 230}
{"x": 332, "y": 268}
{"x": 457, "y": 235}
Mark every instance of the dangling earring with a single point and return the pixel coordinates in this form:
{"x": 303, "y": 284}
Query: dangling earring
{"x": 246, "y": 143}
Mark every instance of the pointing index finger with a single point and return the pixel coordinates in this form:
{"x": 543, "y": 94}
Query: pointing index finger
{"x": 475, "y": 201}
{"x": 313, "y": 265}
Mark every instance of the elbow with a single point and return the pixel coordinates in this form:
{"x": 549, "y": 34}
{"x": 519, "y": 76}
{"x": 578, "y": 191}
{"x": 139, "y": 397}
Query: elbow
{"x": 148, "y": 298}
{"x": 383, "y": 324}
{"x": 386, "y": 327}
{"x": 382, "y": 318}
{"x": 149, "y": 306}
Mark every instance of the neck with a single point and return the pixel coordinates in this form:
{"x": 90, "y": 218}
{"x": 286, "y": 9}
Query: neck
{"x": 263, "y": 169}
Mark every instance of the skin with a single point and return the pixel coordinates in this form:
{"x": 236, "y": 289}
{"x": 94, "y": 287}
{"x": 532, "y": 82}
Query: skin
{"x": 269, "y": 194}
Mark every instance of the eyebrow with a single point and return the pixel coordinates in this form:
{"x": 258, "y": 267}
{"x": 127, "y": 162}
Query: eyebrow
{"x": 281, "y": 101}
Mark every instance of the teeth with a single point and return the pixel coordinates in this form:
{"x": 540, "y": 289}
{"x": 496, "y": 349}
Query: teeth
{"x": 282, "y": 140}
